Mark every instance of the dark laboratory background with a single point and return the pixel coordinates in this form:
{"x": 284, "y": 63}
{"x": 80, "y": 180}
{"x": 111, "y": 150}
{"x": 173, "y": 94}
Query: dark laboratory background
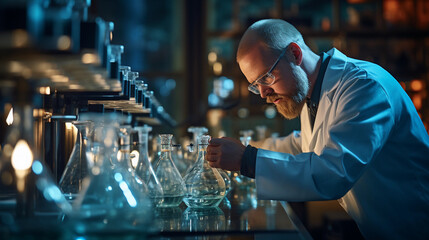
{"x": 184, "y": 51}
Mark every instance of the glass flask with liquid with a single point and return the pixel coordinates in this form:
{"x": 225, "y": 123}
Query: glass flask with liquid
{"x": 110, "y": 200}
{"x": 205, "y": 186}
{"x": 168, "y": 175}
{"x": 144, "y": 168}
{"x": 77, "y": 166}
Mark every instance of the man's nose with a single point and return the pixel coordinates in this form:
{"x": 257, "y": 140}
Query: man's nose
{"x": 265, "y": 91}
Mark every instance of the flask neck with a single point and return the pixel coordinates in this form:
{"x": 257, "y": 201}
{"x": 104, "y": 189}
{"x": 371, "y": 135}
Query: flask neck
{"x": 202, "y": 151}
{"x": 143, "y": 142}
{"x": 166, "y": 148}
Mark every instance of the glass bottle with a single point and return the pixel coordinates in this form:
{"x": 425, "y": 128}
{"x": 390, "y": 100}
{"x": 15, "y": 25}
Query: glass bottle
{"x": 77, "y": 166}
{"x": 110, "y": 199}
{"x": 192, "y": 155}
{"x": 144, "y": 168}
{"x": 168, "y": 175}
{"x": 205, "y": 186}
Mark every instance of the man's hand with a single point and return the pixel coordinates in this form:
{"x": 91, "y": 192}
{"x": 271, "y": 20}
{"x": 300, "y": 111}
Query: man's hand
{"x": 225, "y": 153}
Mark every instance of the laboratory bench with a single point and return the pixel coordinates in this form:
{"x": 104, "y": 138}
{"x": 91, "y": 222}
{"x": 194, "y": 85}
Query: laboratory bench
{"x": 239, "y": 216}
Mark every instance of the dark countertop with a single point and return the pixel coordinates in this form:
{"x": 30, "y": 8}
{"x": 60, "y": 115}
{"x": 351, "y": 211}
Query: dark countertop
{"x": 239, "y": 216}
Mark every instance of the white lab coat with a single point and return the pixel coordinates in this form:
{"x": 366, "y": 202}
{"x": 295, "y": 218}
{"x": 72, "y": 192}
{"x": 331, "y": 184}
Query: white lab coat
{"x": 369, "y": 149}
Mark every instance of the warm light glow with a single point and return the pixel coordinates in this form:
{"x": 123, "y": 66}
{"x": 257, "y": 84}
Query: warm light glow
{"x": 417, "y": 100}
{"x": 64, "y": 43}
{"x": 326, "y": 24}
{"x": 89, "y": 58}
{"x": 45, "y": 90}
{"x": 416, "y": 85}
{"x": 214, "y": 117}
{"x": 111, "y": 36}
{"x": 59, "y": 78}
{"x": 134, "y": 158}
{"x": 20, "y": 38}
{"x": 75, "y": 87}
{"x": 38, "y": 112}
{"x": 403, "y": 85}
{"x": 22, "y": 158}
{"x": 217, "y": 68}
{"x": 9, "y": 119}
{"x": 119, "y": 155}
{"x": 70, "y": 126}
{"x": 212, "y": 57}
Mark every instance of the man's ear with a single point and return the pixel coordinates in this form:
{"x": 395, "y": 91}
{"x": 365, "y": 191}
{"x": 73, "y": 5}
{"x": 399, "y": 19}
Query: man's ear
{"x": 296, "y": 53}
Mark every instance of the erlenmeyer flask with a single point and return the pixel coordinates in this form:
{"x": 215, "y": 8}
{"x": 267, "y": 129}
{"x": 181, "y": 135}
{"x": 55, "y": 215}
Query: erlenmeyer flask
{"x": 110, "y": 201}
{"x": 144, "y": 168}
{"x": 192, "y": 155}
{"x": 168, "y": 175}
{"x": 77, "y": 166}
{"x": 124, "y": 158}
{"x": 205, "y": 186}
{"x": 179, "y": 159}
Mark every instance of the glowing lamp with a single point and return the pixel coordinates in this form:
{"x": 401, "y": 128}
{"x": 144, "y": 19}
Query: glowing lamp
{"x": 22, "y": 159}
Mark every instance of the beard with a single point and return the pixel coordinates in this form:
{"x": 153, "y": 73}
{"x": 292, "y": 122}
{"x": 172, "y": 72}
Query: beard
{"x": 291, "y": 106}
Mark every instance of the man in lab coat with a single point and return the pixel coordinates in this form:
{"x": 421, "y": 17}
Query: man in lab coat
{"x": 361, "y": 140}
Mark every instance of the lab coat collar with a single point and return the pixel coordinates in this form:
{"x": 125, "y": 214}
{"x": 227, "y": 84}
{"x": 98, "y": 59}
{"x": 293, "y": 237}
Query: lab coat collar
{"x": 330, "y": 83}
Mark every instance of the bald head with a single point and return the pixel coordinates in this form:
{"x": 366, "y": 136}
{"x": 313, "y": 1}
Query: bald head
{"x": 272, "y": 34}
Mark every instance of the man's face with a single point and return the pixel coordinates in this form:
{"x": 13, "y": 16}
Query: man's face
{"x": 290, "y": 87}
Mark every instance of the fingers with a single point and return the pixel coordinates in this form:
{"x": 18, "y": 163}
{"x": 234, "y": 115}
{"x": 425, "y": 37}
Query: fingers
{"x": 214, "y": 164}
{"x": 212, "y": 158}
{"x": 213, "y": 150}
{"x": 216, "y": 141}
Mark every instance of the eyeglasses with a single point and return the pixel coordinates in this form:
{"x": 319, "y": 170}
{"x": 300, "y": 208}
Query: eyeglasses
{"x": 267, "y": 79}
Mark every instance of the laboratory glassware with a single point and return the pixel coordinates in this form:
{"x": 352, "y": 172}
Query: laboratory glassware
{"x": 124, "y": 158}
{"x": 191, "y": 156}
{"x": 226, "y": 179}
{"x": 110, "y": 200}
{"x": 144, "y": 168}
{"x": 204, "y": 220}
{"x": 241, "y": 180}
{"x": 205, "y": 186}
{"x": 77, "y": 167}
{"x": 168, "y": 175}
